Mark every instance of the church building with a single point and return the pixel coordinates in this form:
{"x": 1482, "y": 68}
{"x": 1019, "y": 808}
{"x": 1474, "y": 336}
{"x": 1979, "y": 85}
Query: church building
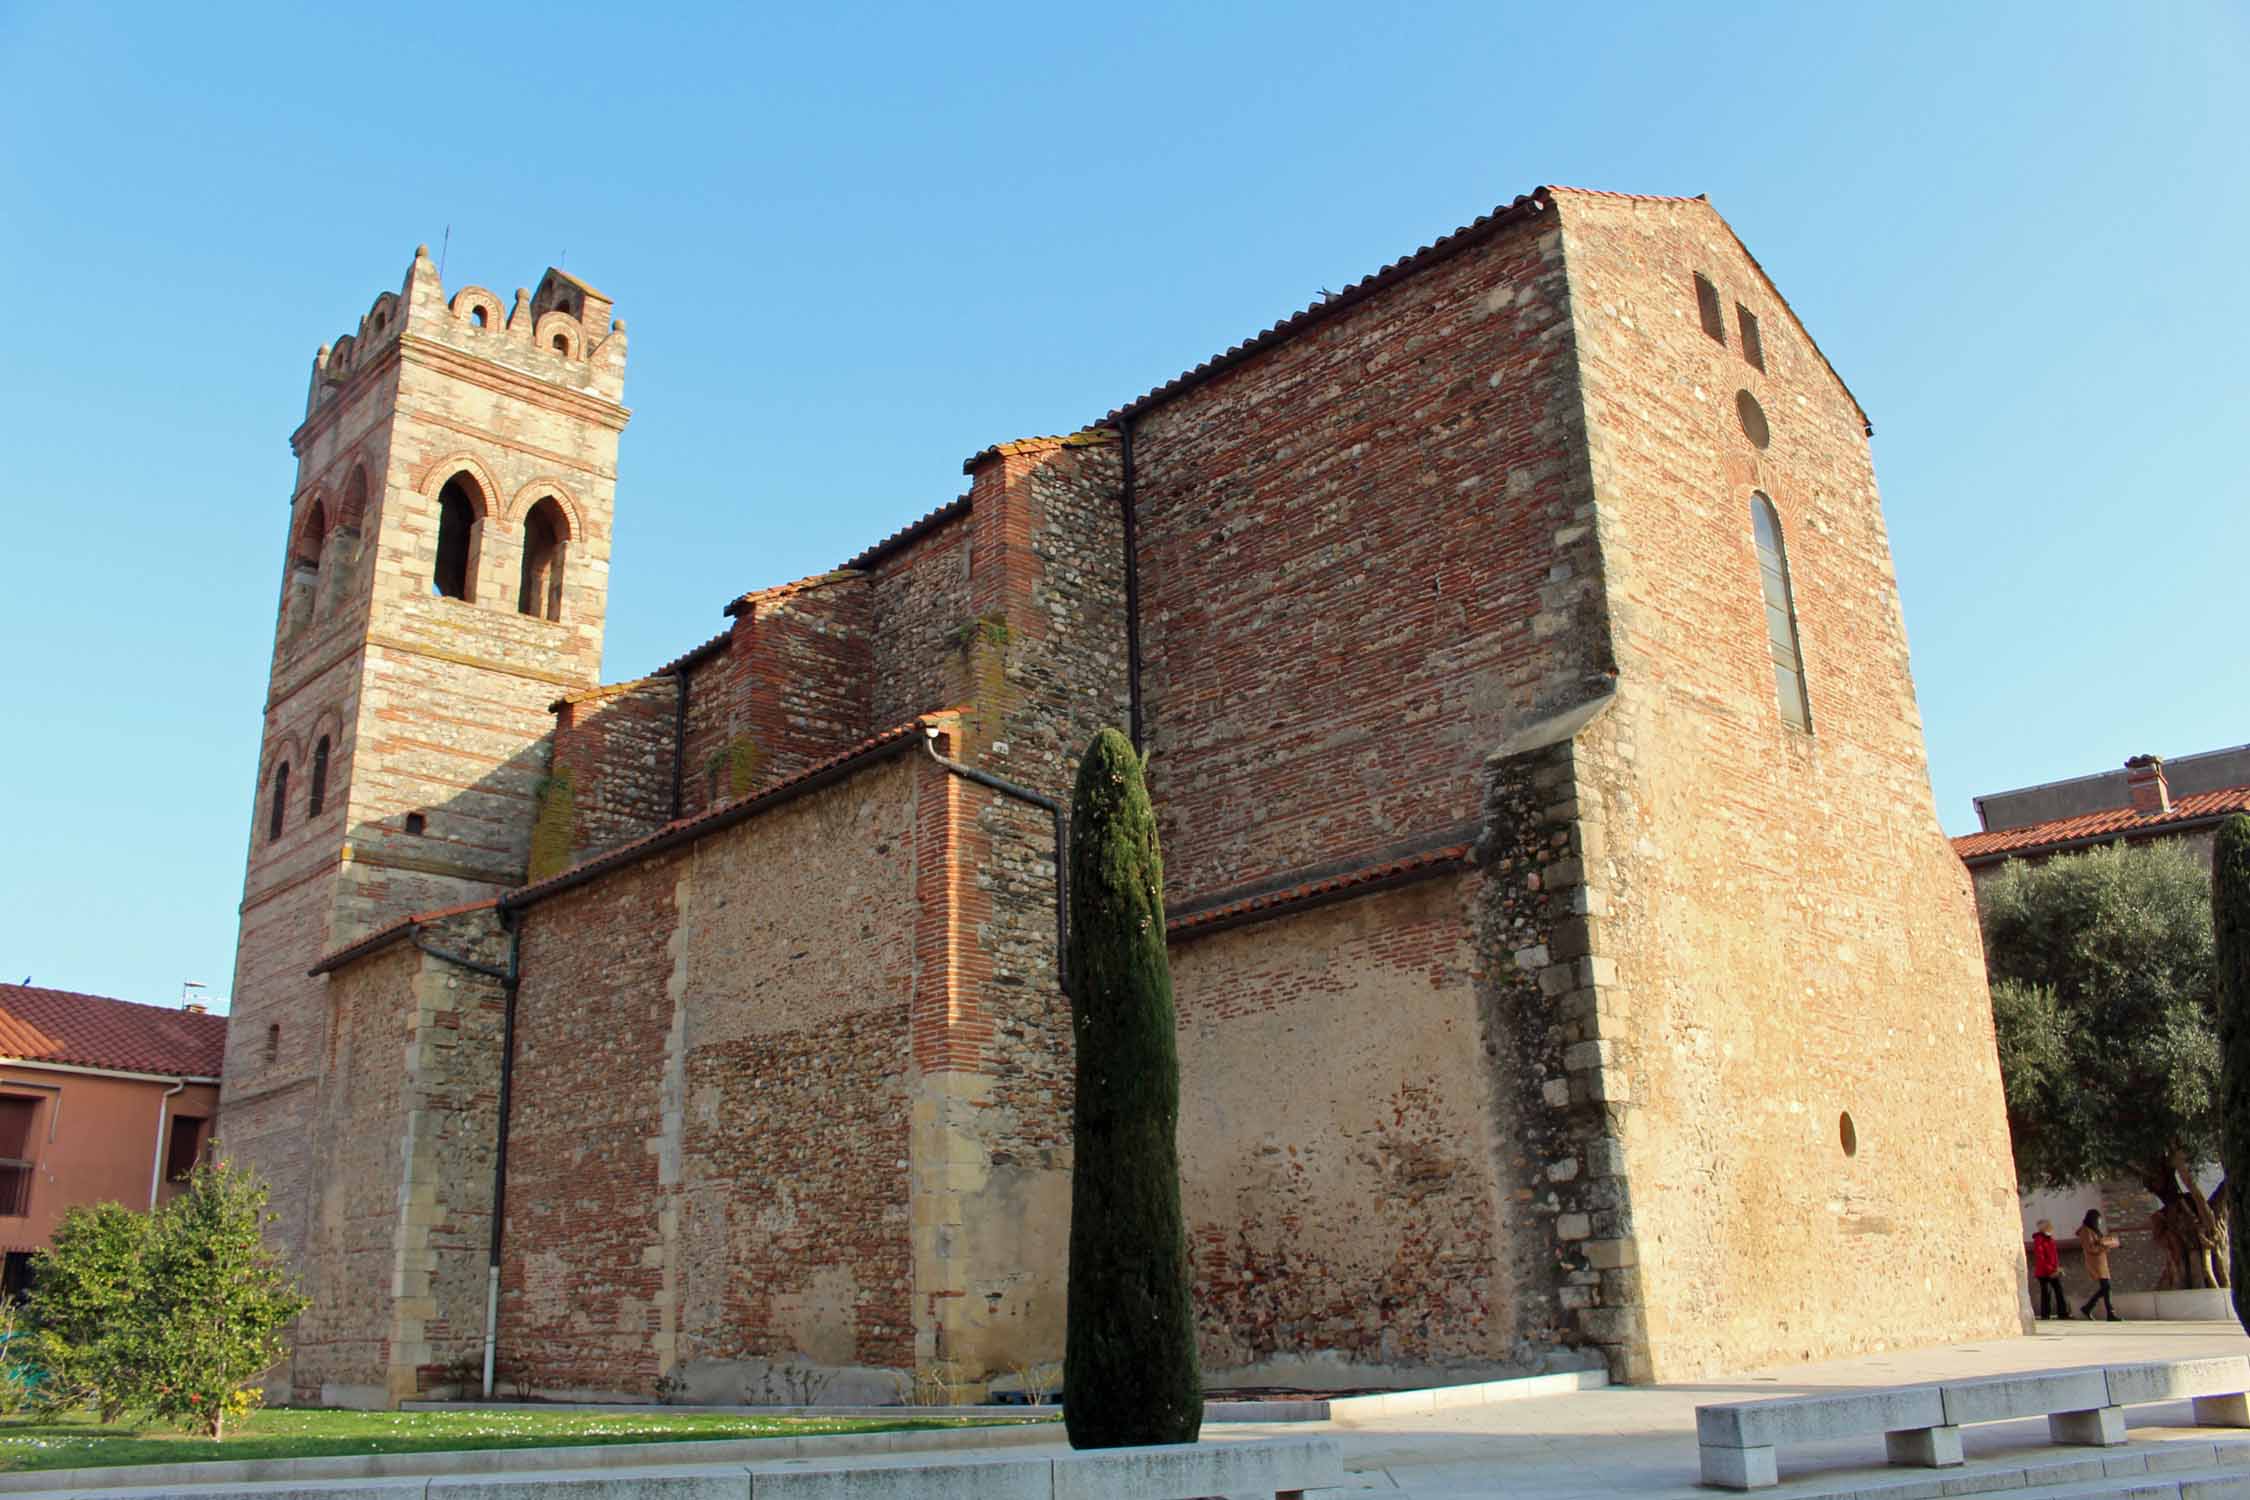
{"x": 1571, "y": 970}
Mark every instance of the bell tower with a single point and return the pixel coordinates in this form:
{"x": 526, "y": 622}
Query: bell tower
{"x": 443, "y": 581}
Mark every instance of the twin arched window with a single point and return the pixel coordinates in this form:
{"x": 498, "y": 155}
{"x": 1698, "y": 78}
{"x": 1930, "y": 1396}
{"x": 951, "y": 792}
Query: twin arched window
{"x": 1781, "y": 616}
{"x": 546, "y": 537}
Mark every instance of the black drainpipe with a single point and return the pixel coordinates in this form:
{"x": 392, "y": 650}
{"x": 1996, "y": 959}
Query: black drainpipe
{"x": 1054, "y": 810}
{"x": 1132, "y": 580}
{"x": 679, "y": 740}
{"x": 513, "y": 922}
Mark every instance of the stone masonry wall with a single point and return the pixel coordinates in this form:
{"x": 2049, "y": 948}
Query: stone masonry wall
{"x": 918, "y": 603}
{"x": 402, "y": 1205}
{"x": 1783, "y": 937}
{"x": 610, "y": 778}
{"x": 710, "y": 1116}
{"x": 1039, "y": 649}
{"x": 1339, "y": 1144}
{"x": 1363, "y": 562}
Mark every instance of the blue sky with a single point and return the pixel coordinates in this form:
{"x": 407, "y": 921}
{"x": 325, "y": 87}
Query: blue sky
{"x": 855, "y": 245}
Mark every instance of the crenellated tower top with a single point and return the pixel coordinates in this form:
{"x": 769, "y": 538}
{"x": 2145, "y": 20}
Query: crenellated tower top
{"x": 562, "y": 334}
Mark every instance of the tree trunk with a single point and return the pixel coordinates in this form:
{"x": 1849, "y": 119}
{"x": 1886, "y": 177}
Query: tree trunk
{"x": 2190, "y": 1226}
{"x": 2222, "y": 1257}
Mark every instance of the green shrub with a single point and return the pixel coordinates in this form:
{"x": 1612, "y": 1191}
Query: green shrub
{"x": 87, "y": 1298}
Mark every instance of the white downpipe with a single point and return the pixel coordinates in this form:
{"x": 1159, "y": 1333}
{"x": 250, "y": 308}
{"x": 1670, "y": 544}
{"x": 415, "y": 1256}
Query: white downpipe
{"x": 156, "y": 1164}
{"x": 491, "y": 1323}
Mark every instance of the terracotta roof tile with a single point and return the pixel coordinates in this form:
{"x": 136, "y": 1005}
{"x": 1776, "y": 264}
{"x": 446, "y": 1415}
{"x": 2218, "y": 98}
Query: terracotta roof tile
{"x": 1315, "y": 892}
{"x": 912, "y": 532}
{"x": 88, "y": 1031}
{"x": 404, "y": 927}
{"x": 1473, "y": 233}
{"x": 793, "y": 588}
{"x": 2098, "y": 827}
{"x": 690, "y": 657}
{"x": 1083, "y": 438}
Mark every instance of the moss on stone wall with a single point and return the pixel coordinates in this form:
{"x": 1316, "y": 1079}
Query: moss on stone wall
{"x": 744, "y": 759}
{"x": 554, "y": 829}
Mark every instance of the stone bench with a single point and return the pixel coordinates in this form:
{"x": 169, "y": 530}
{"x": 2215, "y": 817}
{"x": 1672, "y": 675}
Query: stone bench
{"x": 1921, "y": 1424}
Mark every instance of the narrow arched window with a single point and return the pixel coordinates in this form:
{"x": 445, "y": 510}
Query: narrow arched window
{"x": 1781, "y": 615}
{"x": 457, "y": 515}
{"x": 319, "y": 793}
{"x": 280, "y": 801}
{"x": 544, "y": 532}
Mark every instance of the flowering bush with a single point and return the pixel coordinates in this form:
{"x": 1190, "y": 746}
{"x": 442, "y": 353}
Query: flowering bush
{"x": 178, "y": 1315}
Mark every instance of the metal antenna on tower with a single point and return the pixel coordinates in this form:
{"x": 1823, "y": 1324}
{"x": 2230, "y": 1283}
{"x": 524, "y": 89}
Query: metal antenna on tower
{"x": 443, "y": 246}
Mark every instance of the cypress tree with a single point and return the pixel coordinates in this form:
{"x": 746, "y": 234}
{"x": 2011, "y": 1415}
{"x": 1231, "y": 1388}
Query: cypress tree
{"x": 1129, "y": 1365}
{"x": 2230, "y": 923}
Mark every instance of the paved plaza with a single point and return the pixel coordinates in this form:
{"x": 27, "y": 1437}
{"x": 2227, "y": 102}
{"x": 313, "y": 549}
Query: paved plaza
{"x": 1641, "y": 1440}
{"x": 1617, "y": 1440}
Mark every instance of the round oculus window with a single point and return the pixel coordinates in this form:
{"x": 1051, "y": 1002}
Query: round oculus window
{"x": 1753, "y": 417}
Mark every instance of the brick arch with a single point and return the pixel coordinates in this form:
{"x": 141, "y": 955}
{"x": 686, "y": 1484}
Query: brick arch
{"x": 434, "y": 476}
{"x": 340, "y": 355}
{"x": 279, "y": 749}
{"x": 384, "y": 313}
{"x": 552, "y": 322}
{"x": 311, "y": 526}
{"x": 350, "y": 510}
{"x": 330, "y": 722}
{"x": 540, "y": 489}
{"x": 467, "y": 300}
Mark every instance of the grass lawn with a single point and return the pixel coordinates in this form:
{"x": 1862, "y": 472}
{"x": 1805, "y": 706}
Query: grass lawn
{"x": 307, "y": 1432}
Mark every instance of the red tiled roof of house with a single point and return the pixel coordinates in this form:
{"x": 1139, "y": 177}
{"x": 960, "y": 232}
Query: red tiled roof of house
{"x": 89, "y": 1031}
{"x": 2101, "y": 827}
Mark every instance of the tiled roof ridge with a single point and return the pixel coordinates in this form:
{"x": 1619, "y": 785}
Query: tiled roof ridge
{"x": 71, "y": 1028}
{"x": 693, "y": 654}
{"x": 732, "y": 811}
{"x": 604, "y": 690}
{"x": 1084, "y": 437}
{"x": 1383, "y": 872}
{"x": 1444, "y": 247}
{"x": 2103, "y": 825}
{"x": 1586, "y": 192}
{"x": 382, "y": 937}
{"x": 911, "y": 532}
{"x": 794, "y": 587}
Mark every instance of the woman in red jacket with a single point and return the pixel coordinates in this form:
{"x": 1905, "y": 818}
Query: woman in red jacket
{"x": 2046, "y": 1265}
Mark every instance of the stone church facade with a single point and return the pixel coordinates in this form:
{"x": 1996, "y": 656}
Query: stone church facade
{"x": 1571, "y": 970}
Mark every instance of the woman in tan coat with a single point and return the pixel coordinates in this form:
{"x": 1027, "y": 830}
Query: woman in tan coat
{"x": 2097, "y": 1246}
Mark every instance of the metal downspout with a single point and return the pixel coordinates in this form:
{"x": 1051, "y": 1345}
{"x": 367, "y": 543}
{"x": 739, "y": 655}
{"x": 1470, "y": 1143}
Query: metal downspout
{"x": 513, "y": 922}
{"x": 1054, "y": 811}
